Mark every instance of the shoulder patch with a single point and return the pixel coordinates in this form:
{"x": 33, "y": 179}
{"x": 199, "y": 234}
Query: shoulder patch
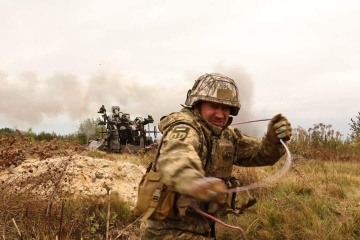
{"x": 179, "y": 132}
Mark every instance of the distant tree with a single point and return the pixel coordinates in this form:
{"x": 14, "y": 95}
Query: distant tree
{"x": 30, "y": 134}
{"x": 44, "y": 136}
{"x": 355, "y": 127}
{"x": 6, "y": 131}
{"x": 87, "y": 129}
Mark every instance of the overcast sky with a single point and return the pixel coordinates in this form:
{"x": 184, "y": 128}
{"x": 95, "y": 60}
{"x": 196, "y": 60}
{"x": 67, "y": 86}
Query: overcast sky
{"x": 61, "y": 60}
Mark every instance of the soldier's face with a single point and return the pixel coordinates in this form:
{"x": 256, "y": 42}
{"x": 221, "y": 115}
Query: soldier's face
{"x": 214, "y": 113}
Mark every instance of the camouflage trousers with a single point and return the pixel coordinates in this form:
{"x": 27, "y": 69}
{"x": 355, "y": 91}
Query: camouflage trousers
{"x": 189, "y": 227}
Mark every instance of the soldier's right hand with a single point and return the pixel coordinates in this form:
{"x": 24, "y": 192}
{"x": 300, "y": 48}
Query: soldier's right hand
{"x": 208, "y": 189}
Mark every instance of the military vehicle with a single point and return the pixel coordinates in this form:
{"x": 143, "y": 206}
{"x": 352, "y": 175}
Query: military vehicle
{"x": 118, "y": 133}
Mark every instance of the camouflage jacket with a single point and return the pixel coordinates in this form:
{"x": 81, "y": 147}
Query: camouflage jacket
{"x": 187, "y": 150}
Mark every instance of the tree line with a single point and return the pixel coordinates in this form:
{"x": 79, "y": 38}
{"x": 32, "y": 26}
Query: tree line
{"x": 87, "y": 129}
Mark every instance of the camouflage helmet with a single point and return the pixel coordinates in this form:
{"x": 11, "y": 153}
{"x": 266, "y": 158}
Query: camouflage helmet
{"x": 215, "y": 88}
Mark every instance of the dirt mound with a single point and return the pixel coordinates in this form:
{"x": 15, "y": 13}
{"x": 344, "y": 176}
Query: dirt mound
{"x": 75, "y": 175}
{"x": 61, "y": 188}
{"x": 60, "y": 168}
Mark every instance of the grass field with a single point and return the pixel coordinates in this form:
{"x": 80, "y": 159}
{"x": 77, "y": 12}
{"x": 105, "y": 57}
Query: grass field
{"x": 315, "y": 200}
{"x": 318, "y": 198}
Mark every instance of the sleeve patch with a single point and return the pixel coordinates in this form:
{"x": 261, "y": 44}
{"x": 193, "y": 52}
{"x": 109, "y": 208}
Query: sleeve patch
{"x": 179, "y": 133}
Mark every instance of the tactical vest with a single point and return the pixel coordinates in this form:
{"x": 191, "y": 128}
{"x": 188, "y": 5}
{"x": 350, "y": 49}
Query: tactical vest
{"x": 217, "y": 149}
{"x": 217, "y": 152}
{"x": 220, "y": 156}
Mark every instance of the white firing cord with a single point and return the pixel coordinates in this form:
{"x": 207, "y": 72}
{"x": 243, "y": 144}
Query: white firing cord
{"x": 272, "y": 178}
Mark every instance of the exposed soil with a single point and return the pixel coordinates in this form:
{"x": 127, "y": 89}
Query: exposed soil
{"x": 61, "y": 167}
{"x": 65, "y": 169}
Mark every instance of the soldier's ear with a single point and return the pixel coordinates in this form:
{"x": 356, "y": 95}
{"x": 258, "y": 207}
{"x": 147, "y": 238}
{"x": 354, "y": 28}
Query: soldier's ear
{"x": 197, "y": 107}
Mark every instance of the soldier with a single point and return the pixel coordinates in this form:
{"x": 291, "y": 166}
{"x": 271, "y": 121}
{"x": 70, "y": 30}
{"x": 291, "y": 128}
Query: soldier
{"x": 116, "y": 115}
{"x": 198, "y": 151}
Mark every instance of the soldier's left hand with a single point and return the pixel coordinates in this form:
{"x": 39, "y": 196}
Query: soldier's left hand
{"x": 279, "y": 128}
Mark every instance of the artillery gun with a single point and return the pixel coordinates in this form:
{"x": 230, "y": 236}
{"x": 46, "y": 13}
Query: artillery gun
{"x": 117, "y": 132}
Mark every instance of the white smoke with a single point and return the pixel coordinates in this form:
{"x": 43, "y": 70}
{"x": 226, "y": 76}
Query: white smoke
{"x": 32, "y": 100}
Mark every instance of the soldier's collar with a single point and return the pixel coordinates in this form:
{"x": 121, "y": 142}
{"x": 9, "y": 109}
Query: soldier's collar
{"x": 215, "y": 129}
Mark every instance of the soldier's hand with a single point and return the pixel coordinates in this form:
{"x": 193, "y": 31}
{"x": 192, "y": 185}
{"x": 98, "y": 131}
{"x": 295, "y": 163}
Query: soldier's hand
{"x": 208, "y": 189}
{"x": 279, "y": 128}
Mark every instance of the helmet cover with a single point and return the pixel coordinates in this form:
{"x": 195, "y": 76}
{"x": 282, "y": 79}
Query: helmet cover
{"x": 215, "y": 88}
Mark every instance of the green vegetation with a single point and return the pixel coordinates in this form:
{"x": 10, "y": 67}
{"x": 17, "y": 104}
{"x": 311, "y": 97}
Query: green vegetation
{"x": 87, "y": 129}
{"x": 355, "y": 127}
{"x": 6, "y": 131}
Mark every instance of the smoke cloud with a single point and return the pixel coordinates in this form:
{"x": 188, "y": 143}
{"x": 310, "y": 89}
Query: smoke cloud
{"x": 30, "y": 99}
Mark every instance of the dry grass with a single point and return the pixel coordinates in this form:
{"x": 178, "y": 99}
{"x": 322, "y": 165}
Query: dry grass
{"x": 70, "y": 218}
{"x": 142, "y": 159}
{"x": 318, "y": 198}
